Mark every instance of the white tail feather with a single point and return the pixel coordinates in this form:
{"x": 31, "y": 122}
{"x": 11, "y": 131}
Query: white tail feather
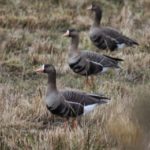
{"x": 89, "y": 108}
{"x": 105, "y": 69}
{"x": 120, "y": 46}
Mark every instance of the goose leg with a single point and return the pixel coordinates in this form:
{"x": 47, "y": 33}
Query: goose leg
{"x": 88, "y": 81}
{"x": 74, "y": 123}
{"x": 65, "y": 123}
{"x": 92, "y": 82}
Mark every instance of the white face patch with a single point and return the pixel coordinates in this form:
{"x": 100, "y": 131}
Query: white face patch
{"x": 43, "y": 66}
{"x": 68, "y": 32}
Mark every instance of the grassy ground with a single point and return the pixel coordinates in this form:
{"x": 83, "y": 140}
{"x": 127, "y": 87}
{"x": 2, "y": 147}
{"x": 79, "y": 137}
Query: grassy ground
{"x": 30, "y": 35}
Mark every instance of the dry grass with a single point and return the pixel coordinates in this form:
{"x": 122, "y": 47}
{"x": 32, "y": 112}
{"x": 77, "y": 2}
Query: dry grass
{"x": 30, "y": 34}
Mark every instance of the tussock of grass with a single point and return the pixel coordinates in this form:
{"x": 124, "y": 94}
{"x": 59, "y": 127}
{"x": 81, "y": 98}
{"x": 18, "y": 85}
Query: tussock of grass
{"x": 32, "y": 22}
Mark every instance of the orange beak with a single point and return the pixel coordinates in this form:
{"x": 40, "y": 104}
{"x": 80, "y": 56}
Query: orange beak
{"x": 89, "y": 8}
{"x": 67, "y": 33}
{"x": 41, "y": 69}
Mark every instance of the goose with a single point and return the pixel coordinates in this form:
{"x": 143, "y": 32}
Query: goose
{"x": 68, "y": 103}
{"x": 106, "y": 38}
{"x": 85, "y": 62}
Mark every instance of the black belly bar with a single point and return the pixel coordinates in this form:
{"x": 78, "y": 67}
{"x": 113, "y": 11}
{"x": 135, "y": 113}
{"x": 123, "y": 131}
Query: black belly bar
{"x": 67, "y": 110}
{"x": 75, "y": 63}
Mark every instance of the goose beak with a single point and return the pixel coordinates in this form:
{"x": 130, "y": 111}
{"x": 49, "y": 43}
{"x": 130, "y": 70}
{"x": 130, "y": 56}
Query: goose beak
{"x": 67, "y": 33}
{"x": 89, "y": 8}
{"x": 40, "y": 69}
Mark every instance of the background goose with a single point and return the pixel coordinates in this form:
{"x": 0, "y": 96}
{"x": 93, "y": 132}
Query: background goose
{"x": 106, "y": 37}
{"x": 86, "y": 62}
{"x": 68, "y": 104}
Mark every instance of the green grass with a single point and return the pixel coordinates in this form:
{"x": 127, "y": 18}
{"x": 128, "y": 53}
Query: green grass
{"x": 30, "y": 35}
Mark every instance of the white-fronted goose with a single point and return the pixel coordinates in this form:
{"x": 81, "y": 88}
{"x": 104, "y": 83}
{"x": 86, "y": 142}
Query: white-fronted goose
{"x": 85, "y": 62}
{"x": 68, "y": 104}
{"x": 106, "y": 37}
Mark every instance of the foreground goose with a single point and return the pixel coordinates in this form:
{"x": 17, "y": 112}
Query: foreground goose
{"x": 68, "y": 104}
{"x": 85, "y": 62}
{"x": 105, "y": 37}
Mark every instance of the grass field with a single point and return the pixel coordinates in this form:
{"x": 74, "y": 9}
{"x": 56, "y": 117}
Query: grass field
{"x": 30, "y": 35}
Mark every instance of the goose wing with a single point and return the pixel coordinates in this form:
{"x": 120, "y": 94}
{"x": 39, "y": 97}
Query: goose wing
{"x": 120, "y": 38}
{"x": 84, "y": 98}
{"x": 106, "y": 37}
{"x": 104, "y": 60}
{"x": 102, "y": 40}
